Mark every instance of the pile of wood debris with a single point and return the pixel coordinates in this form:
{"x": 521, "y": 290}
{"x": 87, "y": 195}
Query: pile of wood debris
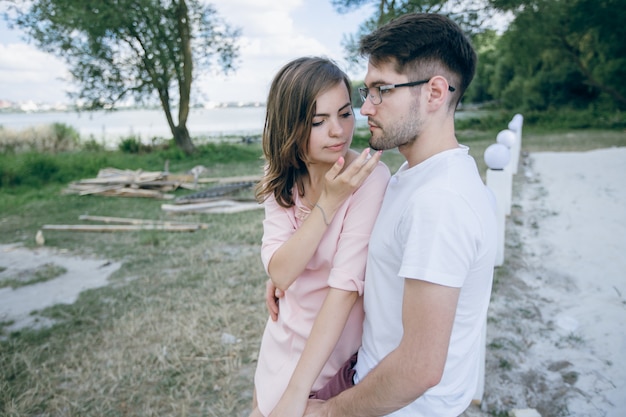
{"x": 160, "y": 185}
{"x": 139, "y": 183}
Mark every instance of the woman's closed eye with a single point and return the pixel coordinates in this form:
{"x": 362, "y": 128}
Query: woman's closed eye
{"x": 347, "y": 114}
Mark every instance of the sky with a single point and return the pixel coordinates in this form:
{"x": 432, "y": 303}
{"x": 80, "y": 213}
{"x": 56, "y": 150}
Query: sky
{"x": 272, "y": 33}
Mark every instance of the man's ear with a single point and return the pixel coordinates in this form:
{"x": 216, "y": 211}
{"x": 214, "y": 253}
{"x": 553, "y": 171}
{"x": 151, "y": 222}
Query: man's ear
{"x": 439, "y": 93}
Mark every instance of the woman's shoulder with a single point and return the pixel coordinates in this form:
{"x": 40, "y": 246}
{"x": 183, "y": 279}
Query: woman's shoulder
{"x": 382, "y": 169}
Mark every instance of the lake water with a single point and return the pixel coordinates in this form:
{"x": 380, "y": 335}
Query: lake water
{"x": 109, "y": 127}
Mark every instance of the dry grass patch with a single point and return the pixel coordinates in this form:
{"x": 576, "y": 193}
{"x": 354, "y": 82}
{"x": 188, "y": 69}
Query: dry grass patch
{"x": 177, "y": 334}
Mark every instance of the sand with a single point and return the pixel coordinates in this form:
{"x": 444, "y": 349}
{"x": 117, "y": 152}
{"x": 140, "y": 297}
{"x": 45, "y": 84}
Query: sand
{"x": 556, "y": 338}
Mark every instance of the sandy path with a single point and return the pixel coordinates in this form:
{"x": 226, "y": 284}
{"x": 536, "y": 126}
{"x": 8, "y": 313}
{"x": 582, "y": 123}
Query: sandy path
{"x": 557, "y": 324}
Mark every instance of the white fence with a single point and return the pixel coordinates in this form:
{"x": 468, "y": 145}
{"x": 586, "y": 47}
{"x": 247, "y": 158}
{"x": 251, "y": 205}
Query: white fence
{"x": 502, "y": 159}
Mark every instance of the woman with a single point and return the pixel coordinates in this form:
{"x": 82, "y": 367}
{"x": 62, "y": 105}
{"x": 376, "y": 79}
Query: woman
{"x": 321, "y": 200}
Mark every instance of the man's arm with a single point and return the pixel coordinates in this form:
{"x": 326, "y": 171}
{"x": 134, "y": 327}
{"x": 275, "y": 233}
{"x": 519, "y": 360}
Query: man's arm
{"x": 413, "y": 367}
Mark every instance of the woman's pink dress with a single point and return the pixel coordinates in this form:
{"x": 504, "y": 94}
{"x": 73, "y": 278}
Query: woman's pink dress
{"x": 339, "y": 262}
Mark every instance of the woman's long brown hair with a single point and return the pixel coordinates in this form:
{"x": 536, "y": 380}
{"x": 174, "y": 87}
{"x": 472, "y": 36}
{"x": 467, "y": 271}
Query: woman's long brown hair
{"x": 289, "y": 117}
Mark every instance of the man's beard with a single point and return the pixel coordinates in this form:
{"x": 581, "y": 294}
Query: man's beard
{"x": 403, "y": 133}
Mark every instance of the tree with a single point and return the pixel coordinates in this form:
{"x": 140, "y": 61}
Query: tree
{"x": 471, "y": 15}
{"x": 118, "y": 49}
{"x": 486, "y": 45}
{"x": 559, "y": 52}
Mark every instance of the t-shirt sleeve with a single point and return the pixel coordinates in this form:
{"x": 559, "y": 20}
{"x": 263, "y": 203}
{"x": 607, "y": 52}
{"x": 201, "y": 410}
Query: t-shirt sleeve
{"x": 440, "y": 238}
{"x": 348, "y": 267}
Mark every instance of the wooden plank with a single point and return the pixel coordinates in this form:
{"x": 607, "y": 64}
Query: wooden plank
{"x": 219, "y": 206}
{"x": 140, "y": 192}
{"x": 216, "y": 191}
{"x": 226, "y": 180}
{"x": 196, "y": 206}
{"x": 127, "y": 220}
{"x": 98, "y": 190}
{"x": 236, "y": 209}
{"x": 121, "y": 228}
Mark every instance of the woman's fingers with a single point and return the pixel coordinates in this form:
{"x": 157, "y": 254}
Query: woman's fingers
{"x": 361, "y": 167}
{"x": 336, "y": 168}
{"x": 339, "y": 185}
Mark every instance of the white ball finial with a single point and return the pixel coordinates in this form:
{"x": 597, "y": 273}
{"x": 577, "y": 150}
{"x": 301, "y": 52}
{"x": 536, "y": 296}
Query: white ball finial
{"x": 497, "y": 156}
{"x": 506, "y": 137}
{"x": 516, "y": 122}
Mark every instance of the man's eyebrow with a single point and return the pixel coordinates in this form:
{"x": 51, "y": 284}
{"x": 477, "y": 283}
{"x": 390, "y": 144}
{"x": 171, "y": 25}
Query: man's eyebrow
{"x": 348, "y": 104}
{"x": 377, "y": 83}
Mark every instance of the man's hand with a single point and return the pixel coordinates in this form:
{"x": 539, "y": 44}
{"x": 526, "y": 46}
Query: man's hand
{"x": 272, "y": 295}
{"x": 316, "y": 408}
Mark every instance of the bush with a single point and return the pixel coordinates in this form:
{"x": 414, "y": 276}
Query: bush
{"x": 92, "y": 145}
{"x": 40, "y": 168}
{"x": 548, "y": 120}
{"x": 57, "y": 137}
{"x": 132, "y": 144}
{"x": 65, "y": 137}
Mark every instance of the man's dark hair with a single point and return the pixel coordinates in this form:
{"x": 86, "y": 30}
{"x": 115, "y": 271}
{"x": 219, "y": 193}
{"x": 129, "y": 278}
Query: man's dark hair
{"x": 421, "y": 42}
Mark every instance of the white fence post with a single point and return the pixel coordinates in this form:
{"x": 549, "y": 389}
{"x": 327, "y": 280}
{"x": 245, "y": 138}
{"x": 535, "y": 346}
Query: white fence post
{"x": 497, "y": 157}
{"x": 516, "y": 126}
{"x": 502, "y": 159}
{"x": 508, "y": 138}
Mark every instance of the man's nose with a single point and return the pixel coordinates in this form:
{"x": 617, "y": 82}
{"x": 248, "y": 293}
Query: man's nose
{"x": 367, "y": 108}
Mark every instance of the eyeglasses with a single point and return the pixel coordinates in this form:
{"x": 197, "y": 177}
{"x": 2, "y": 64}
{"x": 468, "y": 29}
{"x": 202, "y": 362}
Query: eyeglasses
{"x": 365, "y": 92}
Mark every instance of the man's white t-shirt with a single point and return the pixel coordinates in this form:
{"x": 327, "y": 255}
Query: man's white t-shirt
{"x": 437, "y": 223}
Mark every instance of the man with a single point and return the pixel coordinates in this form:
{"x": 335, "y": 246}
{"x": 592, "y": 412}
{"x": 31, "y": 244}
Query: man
{"x": 432, "y": 250}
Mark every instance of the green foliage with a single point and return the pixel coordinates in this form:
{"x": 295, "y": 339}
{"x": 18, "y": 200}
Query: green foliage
{"x": 555, "y": 54}
{"x": 563, "y": 54}
{"x": 65, "y": 133}
{"x": 492, "y": 121}
{"x": 216, "y": 153}
{"x": 360, "y": 139}
{"x": 92, "y": 145}
{"x": 575, "y": 119}
{"x": 33, "y": 170}
{"x": 472, "y": 15}
{"x": 131, "y": 144}
{"x": 356, "y": 98}
{"x": 480, "y": 90}
{"x": 549, "y": 120}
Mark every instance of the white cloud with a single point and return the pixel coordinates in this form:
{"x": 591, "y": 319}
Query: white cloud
{"x": 29, "y": 74}
{"x": 272, "y": 32}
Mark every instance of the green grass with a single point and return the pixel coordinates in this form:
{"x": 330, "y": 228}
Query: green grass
{"x": 43, "y": 273}
{"x": 150, "y": 343}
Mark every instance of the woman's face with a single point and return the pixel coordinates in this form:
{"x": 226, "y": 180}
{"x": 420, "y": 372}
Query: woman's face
{"x": 333, "y": 126}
